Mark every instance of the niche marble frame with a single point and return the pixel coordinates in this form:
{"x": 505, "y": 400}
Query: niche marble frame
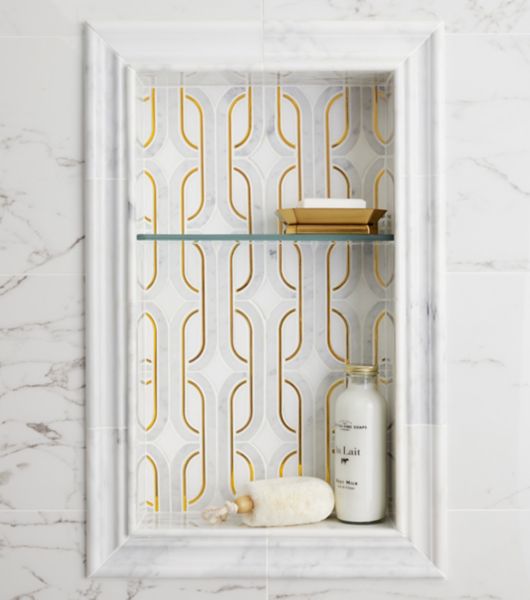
{"x": 414, "y": 545}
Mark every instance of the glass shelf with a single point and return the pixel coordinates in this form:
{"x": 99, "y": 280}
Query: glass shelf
{"x": 265, "y": 237}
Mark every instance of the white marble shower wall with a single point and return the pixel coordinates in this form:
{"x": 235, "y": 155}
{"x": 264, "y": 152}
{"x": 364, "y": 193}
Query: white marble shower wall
{"x": 42, "y": 436}
{"x": 242, "y": 345}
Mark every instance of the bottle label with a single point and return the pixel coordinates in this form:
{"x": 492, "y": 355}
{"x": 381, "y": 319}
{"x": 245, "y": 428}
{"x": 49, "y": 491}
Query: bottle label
{"x": 346, "y": 453}
{"x": 359, "y": 451}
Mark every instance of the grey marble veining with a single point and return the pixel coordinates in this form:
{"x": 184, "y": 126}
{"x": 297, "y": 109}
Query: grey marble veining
{"x": 488, "y": 179}
{"x": 40, "y": 156}
{"x": 42, "y": 553}
{"x": 64, "y": 18}
{"x": 469, "y": 17}
{"x": 42, "y": 557}
{"x": 488, "y": 388}
{"x": 42, "y": 393}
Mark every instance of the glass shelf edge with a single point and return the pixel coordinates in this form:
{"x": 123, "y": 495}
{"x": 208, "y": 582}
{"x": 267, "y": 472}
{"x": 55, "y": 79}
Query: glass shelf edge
{"x": 265, "y": 237}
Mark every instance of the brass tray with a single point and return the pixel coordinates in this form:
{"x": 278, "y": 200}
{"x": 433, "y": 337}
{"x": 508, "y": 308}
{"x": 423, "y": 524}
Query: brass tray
{"x": 330, "y": 216}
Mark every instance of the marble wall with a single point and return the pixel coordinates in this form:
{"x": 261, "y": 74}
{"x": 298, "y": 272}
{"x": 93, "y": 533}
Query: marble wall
{"x": 42, "y": 510}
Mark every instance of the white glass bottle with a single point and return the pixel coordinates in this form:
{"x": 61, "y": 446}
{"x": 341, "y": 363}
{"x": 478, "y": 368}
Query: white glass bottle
{"x": 360, "y": 448}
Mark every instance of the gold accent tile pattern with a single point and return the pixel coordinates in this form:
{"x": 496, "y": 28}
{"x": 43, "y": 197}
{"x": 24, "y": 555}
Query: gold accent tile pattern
{"x": 241, "y": 345}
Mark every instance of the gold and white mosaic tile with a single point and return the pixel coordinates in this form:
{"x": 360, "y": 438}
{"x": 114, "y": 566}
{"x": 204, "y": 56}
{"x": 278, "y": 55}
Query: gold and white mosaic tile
{"x": 241, "y": 345}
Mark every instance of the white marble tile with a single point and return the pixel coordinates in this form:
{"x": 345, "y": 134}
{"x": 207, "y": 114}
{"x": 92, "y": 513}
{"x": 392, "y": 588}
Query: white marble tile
{"x": 41, "y": 156}
{"x": 488, "y": 180}
{"x": 41, "y": 393}
{"x": 302, "y": 45}
{"x": 478, "y": 16}
{"x": 162, "y": 10}
{"x": 66, "y": 17}
{"x": 488, "y": 384}
{"x": 42, "y": 557}
{"x": 488, "y": 558}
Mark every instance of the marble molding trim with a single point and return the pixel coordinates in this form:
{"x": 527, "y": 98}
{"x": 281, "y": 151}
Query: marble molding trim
{"x": 414, "y": 545}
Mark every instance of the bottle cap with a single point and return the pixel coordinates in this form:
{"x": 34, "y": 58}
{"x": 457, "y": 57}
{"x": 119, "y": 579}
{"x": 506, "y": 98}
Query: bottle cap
{"x": 361, "y": 369}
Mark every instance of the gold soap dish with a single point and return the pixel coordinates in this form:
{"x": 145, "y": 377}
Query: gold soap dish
{"x": 330, "y": 220}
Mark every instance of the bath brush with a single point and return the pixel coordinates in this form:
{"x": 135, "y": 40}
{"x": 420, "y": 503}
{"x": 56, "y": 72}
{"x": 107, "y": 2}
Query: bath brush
{"x": 278, "y": 502}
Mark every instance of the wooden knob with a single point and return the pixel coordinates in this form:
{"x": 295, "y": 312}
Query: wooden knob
{"x": 244, "y": 504}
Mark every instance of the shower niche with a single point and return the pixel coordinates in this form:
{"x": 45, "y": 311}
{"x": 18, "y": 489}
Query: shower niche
{"x": 216, "y": 344}
{"x": 241, "y": 343}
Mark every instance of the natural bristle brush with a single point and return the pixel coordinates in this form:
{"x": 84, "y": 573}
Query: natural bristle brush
{"x": 278, "y": 502}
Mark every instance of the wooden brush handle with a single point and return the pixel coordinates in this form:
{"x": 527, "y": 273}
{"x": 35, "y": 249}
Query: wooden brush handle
{"x": 244, "y": 504}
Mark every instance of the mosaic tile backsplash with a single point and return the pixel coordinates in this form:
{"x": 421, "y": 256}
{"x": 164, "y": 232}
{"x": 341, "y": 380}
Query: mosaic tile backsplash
{"x": 240, "y": 345}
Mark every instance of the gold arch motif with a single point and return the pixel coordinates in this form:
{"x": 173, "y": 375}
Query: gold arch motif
{"x": 280, "y": 393}
{"x": 237, "y": 431}
{"x": 286, "y": 282}
{"x": 185, "y": 479}
{"x": 186, "y": 421}
{"x": 300, "y": 267}
{"x": 251, "y": 472}
{"x": 250, "y": 124}
{"x": 251, "y": 368}
{"x": 182, "y": 122}
{"x": 200, "y": 430}
{"x": 346, "y": 95}
{"x": 154, "y": 380}
{"x": 194, "y": 146}
{"x": 280, "y": 370}
{"x": 329, "y": 144}
{"x": 249, "y": 228}
{"x": 375, "y": 357}
{"x": 375, "y": 116}
{"x": 296, "y": 351}
{"x": 183, "y": 230}
{"x": 343, "y": 281}
{"x": 250, "y": 408}
{"x": 298, "y": 142}
{"x": 283, "y": 137}
{"x": 152, "y": 134}
{"x": 183, "y": 265}
{"x": 183, "y": 368}
{"x": 231, "y": 170}
{"x": 202, "y": 452}
{"x": 249, "y": 463}
{"x": 377, "y": 267}
{"x": 299, "y": 430}
{"x": 156, "y": 504}
{"x": 238, "y": 311}
{"x": 233, "y": 291}
{"x": 330, "y": 310}
{"x": 284, "y": 462}
{"x": 203, "y": 305}
{"x": 248, "y": 218}
{"x": 154, "y": 221}
{"x": 280, "y": 247}
{"x": 346, "y": 179}
{"x": 230, "y": 152}
{"x": 203, "y": 296}
{"x": 329, "y": 451}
